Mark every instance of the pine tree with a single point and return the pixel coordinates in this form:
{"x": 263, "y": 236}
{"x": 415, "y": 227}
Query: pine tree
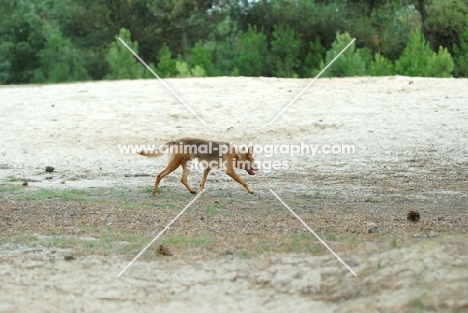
{"x": 285, "y": 49}
{"x": 314, "y": 57}
{"x": 415, "y": 57}
{"x": 122, "y": 63}
{"x": 167, "y": 65}
{"x": 350, "y": 63}
{"x": 381, "y": 66}
{"x": 203, "y": 57}
{"x": 251, "y": 53}
{"x": 461, "y": 55}
{"x": 419, "y": 60}
{"x": 60, "y": 61}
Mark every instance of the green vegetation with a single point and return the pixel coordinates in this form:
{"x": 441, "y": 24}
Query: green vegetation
{"x": 419, "y": 60}
{"x": 47, "y": 41}
{"x": 211, "y": 209}
{"x": 374, "y": 199}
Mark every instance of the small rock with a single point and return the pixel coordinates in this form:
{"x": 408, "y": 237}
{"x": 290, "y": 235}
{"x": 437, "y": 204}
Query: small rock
{"x": 69, "y": 258}
{"x": 49, "y": 169}
{"x": 375, "y": 229}
{"x": 25, "y": 183}
{"x": 433, "y": 234}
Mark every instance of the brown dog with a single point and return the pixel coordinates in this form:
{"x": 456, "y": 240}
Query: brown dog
{"x": 212, "y": 153}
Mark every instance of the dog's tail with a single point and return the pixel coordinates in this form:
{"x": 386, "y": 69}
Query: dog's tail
{"x": 157, "y": 152}
{"x": 153, "y": 154}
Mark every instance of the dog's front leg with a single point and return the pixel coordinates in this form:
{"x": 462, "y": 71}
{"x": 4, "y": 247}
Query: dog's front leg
{"x": 233, "y": 174}
{"x": 205, "y": 175}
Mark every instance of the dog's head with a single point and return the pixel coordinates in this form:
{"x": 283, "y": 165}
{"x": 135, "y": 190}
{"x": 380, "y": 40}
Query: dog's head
{"x": 245, "y": 161}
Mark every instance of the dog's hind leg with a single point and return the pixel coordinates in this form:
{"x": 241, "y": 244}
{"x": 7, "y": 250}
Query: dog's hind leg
{"x": 172, "y": 166}
{"x": 205, "y": 175}
{"x": 185, "y": 174}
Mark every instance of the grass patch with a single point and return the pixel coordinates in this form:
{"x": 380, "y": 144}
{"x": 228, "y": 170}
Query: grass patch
{"x": 374, "y": 199}
{"x": 65, "y": 194}
{"x": 185, "y": 240}
{"x": 14, "y": 179}
{"x": 416, "y": 305}
{"x": 9, "y": 188}
{"x": 107, "y": 241}
{"x": 211, "y": 209}
{"x": 136, "y": 205}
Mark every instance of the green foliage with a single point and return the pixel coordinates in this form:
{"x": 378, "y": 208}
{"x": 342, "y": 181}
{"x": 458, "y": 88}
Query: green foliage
{"x": 51, "y": 41}
{"x": 380, "y": 66}
{"x": 21, "y": 38}
{"x": 122, "y": 63}
{"x": 350, "y": 63}
{"x": 440, "y": 64}
{"x": 198, "y": 71}
{"x": 419, "y": 60}
{"x": 445, "y": 22}
{"x": 461, "y": 55}
{"x": 314, "y": 57}
{"x": 366, "y": 56}
{"x": 4, "y": 71}
{"x": 182, "y": 69}
{"x": 251, "y": 53}
{"x": 167, "y": 65}
{"x": 285, "y": 48}
{"x": 203, "y": 57}
{"x": 60, "y": 61}
{"x": 415, "y": 57}
{"x": 224, "y": 57}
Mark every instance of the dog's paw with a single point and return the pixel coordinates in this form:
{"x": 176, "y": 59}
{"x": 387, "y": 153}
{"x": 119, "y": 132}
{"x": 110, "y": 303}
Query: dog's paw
{"x": 251, "y": 191}
{"x": 193, "y": 192}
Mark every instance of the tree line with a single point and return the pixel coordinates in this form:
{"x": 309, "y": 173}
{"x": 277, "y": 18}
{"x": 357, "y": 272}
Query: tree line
{"x": 49, "y": 41}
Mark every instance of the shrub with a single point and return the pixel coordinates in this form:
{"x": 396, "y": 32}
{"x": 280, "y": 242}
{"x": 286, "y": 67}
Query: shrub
{"x": 60, "y": 61}
{"x": 415, "y": 57}
{"x": 4, "y": 71}
{"x": 203, "y": 57}
{"x": 251, "y": 53}
{"x": 419, "y": 60}
{"x": 350, "y": 63}
{"x": 460, "y": 52}
{"x": 440, "y": 64}
{"x": 167, "y": 65}
{"x": 314, "y": 57}
{"x": 380, "y": 66}
{"x": 182, "y": 69}
{"x": 285, "y": 49}
{"x": 122, "y": 63}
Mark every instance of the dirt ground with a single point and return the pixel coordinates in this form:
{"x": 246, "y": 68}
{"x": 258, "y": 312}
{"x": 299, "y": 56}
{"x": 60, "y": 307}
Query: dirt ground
{"x": 67, "y": 235}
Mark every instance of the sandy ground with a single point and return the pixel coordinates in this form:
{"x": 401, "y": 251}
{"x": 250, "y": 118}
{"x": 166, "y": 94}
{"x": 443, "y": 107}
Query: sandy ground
{"x": 411, "y": 146}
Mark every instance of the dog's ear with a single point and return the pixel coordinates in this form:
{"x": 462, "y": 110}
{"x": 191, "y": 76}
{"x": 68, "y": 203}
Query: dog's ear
{"x": 250, "y": 151}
